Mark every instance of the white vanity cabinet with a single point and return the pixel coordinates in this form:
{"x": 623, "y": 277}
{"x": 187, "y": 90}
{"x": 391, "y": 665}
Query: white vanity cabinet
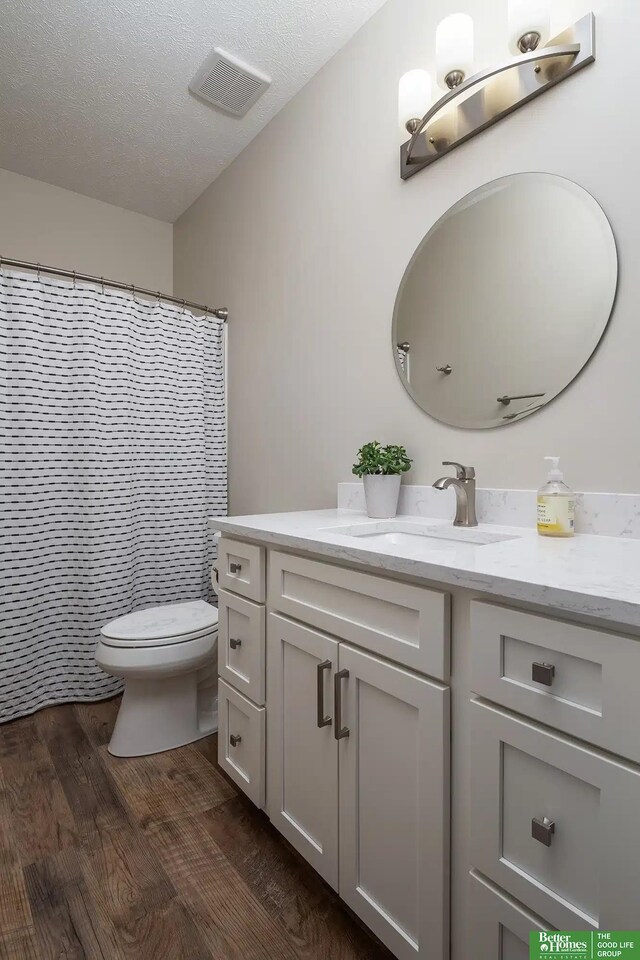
{"x": 503, "y": 792}
{"x": 358, "y": 781}
{"x": 357, "y": 734}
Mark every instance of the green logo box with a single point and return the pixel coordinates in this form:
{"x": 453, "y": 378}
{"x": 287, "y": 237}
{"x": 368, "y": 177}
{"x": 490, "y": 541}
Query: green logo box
{"x": 585, "y": 945}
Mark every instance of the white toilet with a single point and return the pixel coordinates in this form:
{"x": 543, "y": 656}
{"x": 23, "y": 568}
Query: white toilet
{"x": 167, "y": 657}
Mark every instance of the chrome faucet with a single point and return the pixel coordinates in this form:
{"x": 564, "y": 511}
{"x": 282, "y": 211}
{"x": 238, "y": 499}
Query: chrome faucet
{"x": 464, "y": 483}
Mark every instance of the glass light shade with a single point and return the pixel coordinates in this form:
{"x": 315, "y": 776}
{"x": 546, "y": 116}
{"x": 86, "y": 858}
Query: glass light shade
{"x": 414, "y": 96}
{"x": 528, "y": 16}
{"x": 454, "y": 46}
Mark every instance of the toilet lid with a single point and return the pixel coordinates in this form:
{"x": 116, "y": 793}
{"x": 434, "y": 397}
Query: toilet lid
{"x": 170, "y": 622}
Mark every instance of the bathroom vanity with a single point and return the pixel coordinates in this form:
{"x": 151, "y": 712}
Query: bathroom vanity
{"x": 443, "y": 722}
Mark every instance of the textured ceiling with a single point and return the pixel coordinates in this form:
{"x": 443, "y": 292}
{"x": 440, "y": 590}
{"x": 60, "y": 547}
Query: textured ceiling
{"x": 94, "y": 98}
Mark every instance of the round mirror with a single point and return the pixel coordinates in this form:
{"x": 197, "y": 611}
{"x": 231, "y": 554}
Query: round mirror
{"x": 505, "y": 300}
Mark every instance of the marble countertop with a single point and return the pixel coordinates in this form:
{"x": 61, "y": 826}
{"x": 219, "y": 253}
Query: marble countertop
{"x": 594, "y": 576}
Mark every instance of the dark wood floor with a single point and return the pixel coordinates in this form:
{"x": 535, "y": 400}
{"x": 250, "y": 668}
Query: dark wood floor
{"x": 154, "y": 858}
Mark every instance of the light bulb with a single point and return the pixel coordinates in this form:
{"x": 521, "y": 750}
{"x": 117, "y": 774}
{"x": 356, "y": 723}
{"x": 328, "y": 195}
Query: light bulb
{"x": 454, "y": 50}
{"x": 529, "y": 24}
{"x": 414, "y": 97}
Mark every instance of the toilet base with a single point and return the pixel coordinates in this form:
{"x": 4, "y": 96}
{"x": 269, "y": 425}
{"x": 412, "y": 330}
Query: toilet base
{"x": 164, "y": 713}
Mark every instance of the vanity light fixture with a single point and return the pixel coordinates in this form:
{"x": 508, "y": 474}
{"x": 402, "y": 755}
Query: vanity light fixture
{"x": 539, "y": 65}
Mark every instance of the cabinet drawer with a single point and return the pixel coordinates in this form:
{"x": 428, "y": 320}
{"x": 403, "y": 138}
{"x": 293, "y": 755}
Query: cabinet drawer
{"x": 405, "y": 623}
{"x": 241, "y": 750}
{"x": 241, "y": 569}
{"x": 581, "y": 680}
{"x": 241, "y": 645}
{"x": 499, "y": 926}
{"x": 581, "y": 871}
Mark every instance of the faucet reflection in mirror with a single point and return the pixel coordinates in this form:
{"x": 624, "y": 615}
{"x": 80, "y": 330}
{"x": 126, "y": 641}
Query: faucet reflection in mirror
{"x": 437, "y": 128}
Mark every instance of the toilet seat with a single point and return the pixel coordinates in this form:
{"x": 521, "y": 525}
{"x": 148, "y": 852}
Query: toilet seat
{"x": 162, "y": 626}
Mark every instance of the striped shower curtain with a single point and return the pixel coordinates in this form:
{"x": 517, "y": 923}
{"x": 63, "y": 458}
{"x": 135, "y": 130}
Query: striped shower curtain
{"x": 114, "y": 455}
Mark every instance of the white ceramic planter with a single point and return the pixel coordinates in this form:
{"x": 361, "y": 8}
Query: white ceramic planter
{"x": 381, "y": 495}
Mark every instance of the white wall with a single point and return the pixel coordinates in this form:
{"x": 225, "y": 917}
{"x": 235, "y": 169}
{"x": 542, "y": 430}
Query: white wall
{"x": 307, "y": 234}
{"x": 46, "y": 224}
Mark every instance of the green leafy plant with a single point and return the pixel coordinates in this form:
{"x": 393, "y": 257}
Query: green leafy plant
{"x": 387, "y": 461}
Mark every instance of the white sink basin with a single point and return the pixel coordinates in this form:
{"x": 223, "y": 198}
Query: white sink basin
{"x": 406, "y": 533}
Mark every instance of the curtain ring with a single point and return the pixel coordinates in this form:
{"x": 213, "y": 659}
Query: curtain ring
{"x": 184, "y": 303}
{"x": 74, "y": 280}
{"x": 102, "y": 280}
{"x": 38, "y": 272}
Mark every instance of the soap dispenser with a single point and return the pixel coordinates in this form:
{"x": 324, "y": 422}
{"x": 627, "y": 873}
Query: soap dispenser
{"x": 556, "y": 504}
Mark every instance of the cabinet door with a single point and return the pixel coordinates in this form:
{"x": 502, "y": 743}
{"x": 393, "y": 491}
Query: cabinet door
{"x": 394, "y": 803}
{"x": 303, "y": 756}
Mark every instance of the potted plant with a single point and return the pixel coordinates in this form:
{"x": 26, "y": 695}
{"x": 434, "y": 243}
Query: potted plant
{"x": 381, "y": 469}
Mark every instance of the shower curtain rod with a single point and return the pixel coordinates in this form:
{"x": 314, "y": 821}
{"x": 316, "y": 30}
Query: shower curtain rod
{"x": 220, "y": 313}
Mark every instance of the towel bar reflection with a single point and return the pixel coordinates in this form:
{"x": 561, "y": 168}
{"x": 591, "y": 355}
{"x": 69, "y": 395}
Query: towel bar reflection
{"x": 523, "y": 396}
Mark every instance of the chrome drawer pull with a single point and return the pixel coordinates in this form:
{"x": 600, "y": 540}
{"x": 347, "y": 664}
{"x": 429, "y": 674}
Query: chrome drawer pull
{"x": 339, "y": 731}
{"x": 543, "y": 830}
{"x": 234, "y": 740}
{"x": 543, "y": 673}
{"x": 234, "y": 644}
{"x": 322, "y": 720}
{"x": 235, "y": 567}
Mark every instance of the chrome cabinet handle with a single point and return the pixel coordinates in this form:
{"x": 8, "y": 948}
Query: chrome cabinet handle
{"x": 543, "y": 830}
{"x": 322, "y": 720}
{"x": 234, "y": 739}
{"x": 339, "y": 731}
{"x": 235, "y": 567}
{"x": 214, "y": 574}
{"x": 543, "y": 673}
{"x": 234, "y": 644}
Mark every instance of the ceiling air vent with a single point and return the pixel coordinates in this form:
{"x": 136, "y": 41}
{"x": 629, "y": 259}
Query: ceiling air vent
{"x": 228, "y": 83}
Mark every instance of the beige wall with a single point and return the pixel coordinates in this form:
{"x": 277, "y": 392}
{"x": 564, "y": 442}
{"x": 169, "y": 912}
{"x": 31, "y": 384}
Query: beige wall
{"x": 45, "y": 224}
{"x": 307, "y": 234}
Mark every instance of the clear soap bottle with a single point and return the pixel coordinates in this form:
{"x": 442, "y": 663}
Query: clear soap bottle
{"x": 556, "y": 504}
